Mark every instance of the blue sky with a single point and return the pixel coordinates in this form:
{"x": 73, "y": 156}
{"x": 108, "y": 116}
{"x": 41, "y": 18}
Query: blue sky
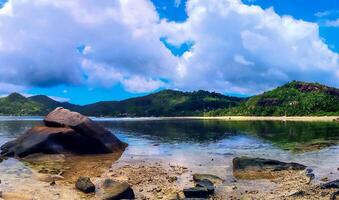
{"x": 163, "y": 44}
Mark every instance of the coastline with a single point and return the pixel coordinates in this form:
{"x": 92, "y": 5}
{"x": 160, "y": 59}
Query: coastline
{"x": 226, "y": 118}
{"x": 263, "y": 118}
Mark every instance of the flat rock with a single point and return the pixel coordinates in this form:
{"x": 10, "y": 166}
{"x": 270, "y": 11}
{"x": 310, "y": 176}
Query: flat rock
{"x": 261, "y": 164}
{"x": 85, "y": 185}
{"x": 113, "y": 190}
{"x": 213, "y": 178}
{"x": 331, "y": 184}
{"x": 196, "y": 192}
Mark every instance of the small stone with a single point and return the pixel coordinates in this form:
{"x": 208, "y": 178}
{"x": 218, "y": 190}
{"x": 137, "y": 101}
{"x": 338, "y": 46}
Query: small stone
{"x": 172, "y": 179}
{"x": 324, "y": 179}
{"x": 85, "y": 185}
{"x": 196, "y": 192}
{"x": 334, "y": 195}
{"x": 207, "y": 184}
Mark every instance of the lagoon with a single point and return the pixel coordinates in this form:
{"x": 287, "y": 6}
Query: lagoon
{"x": 203, "y": 146}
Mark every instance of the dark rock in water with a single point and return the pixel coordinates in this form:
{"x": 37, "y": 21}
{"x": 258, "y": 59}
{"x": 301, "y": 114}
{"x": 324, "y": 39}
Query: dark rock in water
{"x": 75, "y": 134}
{"x": 85, "y": 185}
{"x": 112, "y": 190}
{"x": 260, "y": 164}
{"x": 206, "y": 184}
{"x": 61, "y": 117}
{"x": 196, "y": 192}
{"x": 331, "y": 184}
{"x": 210, "y": 177}
{"x": 335, "y": 195}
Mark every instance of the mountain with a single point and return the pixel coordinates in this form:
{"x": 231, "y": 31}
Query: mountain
{"x": 16, "y": 104}
{"x": 292, "y": 99}
{"x": 51, "y": 104}
{"x": 163, "y": 103}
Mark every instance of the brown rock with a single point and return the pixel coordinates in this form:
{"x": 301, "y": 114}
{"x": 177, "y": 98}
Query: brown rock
{"x": 65, "y": 132}
{"x": 61, "y": 117}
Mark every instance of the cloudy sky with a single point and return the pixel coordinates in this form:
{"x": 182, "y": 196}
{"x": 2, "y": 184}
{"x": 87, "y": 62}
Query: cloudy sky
{"x": 86, "y": 50}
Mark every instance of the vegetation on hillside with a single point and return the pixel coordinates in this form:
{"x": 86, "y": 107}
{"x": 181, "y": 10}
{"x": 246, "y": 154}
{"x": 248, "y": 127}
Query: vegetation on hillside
{"x": 163, "y": 103}
{"x": 16, "y": 104}
{"x": 293, "y": 99}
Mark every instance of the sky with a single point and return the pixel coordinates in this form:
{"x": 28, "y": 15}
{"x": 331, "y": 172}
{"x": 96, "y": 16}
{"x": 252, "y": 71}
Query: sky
{"x": 84, "y": 51}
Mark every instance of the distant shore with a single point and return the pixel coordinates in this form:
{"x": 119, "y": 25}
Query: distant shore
{"x": 263, "y": 118}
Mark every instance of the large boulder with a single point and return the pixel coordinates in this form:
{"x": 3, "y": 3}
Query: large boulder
{"x": 75, "y": 133}
{"x": 61, "y": 117}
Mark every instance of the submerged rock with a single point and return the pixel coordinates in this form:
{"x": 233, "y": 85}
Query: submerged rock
{"x": 113, "y": 190}
{"x": 65, "y": 132}
{"x": 213, "y": 178}
{"x": 331, "y": 184}
{"x": 254, "y": 168}
{"x": 85, "y": 185}
{"x": 260, "y": 164}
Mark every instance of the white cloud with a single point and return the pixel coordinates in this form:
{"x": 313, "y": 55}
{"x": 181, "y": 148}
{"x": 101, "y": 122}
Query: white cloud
{"x": 39, "y": 41}
{"x": 333, "y": 23}
{"x": 139, "y": 84}
{"x": 241, "y": 48}
{"x": 237, "y": 47}
{"x": 6, "y": 88}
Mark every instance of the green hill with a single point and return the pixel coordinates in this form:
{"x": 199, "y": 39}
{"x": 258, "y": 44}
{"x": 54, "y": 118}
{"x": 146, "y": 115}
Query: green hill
{"x": 16, "y": 104}
{"x": 164, "y": 103}
{"x": 293, "y": 99}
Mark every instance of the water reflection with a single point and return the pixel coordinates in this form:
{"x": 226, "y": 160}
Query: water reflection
{"x": 287, "y": 135}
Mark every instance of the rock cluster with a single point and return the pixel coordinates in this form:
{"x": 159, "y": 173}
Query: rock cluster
{"x": 64, "y": 132}
{"x": 108, "y": 190}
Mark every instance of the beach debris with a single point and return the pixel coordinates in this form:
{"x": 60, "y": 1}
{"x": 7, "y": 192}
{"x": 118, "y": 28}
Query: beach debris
{"x": 64, "y": 132}
{"x": 85, "y": 185}
{"x": 113, "y": 190}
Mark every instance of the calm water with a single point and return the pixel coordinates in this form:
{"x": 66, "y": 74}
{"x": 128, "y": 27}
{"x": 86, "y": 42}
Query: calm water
{"x": 208, "y": 146}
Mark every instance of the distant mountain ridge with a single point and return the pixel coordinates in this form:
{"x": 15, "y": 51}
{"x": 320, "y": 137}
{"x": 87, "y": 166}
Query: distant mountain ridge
{"x": 292, "y": 99}
{"x": 163, "y": 103}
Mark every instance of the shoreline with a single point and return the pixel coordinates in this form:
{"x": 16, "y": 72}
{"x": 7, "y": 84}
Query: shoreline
{"x": 263, "y": 118}
{"x": 225, "y": 118}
